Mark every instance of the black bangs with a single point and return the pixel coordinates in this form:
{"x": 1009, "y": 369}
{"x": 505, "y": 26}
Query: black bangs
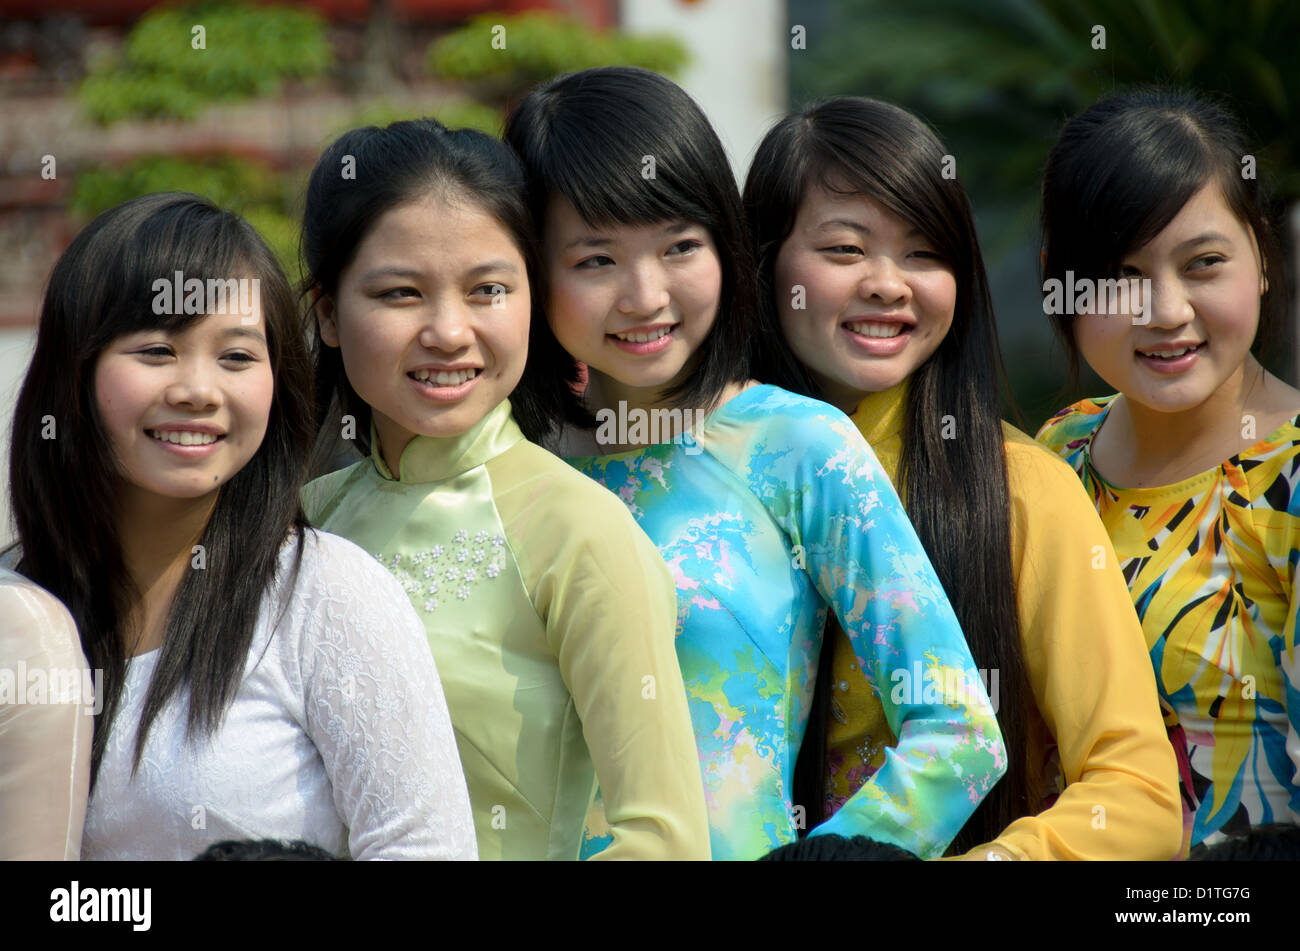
{"x": 148, "y": 274}
{"x": 1119, "y": 181}
{"x": 622, "y": 146}
{"x": 893, "y": 163}
{"x": 620, "y": 175}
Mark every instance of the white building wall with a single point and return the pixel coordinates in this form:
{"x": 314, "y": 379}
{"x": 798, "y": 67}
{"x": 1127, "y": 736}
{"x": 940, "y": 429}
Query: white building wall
{"x": 738, "y": 62}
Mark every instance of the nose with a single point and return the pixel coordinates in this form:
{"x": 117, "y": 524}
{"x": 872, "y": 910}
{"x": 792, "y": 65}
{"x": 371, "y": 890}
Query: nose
{"x": 644, "y": 292}
{"x": 194, "y": 387}
{"x": 883, "y": 281}
{"x": 1169, "y": 307}
{"x": 447, "y": 328}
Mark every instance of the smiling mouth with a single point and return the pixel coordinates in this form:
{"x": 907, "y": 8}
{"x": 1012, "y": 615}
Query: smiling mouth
{"x": 1171, "y": 354}
{"x": 881, "y": 329}
{"x": 444, "y": 377}
{"x": 183, "y": 438}
{"x": 645, "y": 337}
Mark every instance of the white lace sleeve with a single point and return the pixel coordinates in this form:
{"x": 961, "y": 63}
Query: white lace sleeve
{"x": 46, "y": 697}
{"x": 375, "y": 710}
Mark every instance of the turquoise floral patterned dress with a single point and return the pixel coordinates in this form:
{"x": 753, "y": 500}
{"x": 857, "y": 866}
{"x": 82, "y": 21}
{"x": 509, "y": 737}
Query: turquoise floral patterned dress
{"x": 771, "y": 512}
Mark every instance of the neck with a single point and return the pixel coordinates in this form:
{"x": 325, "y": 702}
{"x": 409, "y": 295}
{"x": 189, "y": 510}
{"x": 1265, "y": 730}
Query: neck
{"x": 843, "y": 398}
{"x": 605, "y": 392}
{"x": 1165, "y": 439}
{"x": 157, "y": 536}
{"x": 630, "y": 402}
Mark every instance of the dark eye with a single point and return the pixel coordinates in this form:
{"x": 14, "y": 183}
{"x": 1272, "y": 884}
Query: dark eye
{"x": 156, "y": 352}
{"x": 490, "y": 290}
{"x": 843, "y": 249}
{"x": 686, "y": 246}
{"x": 599, "y": 260}
{"x": 240, "y": 356}
{"x": 927, "y": 255}
{"x": 1128, "y": 270}
{"x": 1208, "y": 260}
{"x": 398, "y": 293}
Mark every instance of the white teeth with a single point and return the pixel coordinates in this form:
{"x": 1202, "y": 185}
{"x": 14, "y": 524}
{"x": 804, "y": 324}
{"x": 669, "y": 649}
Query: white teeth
{"x": 184, "y": 438}
{"x": 644, "y": 338}
{"x": 876, "y": 329}
{"x": 1168, "y": 354}
{"x": 445, "y": 377}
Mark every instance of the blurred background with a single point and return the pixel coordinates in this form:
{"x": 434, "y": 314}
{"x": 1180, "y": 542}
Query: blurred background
{"x": 103, "y": 100}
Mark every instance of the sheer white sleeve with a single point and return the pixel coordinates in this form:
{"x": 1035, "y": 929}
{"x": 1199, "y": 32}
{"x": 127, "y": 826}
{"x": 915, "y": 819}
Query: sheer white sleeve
{"x": 46, "y": 699}
{"x": 374, "y": 708}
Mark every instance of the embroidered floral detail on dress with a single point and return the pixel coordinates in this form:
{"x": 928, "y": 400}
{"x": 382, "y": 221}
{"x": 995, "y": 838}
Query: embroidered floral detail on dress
{"x": 419, "y": 575}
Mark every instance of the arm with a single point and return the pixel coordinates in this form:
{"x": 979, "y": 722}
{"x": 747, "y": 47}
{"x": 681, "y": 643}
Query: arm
{"x": 376, "y": 712}
{"x": 1092, "y": 680}
{"x": 609, "y": 604}
{"x": 1289, "y": 664}
{"x": 45, "y": 745}
{"x": 861, "y": 552}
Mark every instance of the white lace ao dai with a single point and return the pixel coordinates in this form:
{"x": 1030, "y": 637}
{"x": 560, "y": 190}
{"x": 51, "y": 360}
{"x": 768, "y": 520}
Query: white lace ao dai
{"x": 339, "y": 735}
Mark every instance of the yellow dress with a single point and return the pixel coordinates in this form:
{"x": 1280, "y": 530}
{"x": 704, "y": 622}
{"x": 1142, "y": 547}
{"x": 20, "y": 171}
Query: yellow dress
{"x": 1097, "y": 732}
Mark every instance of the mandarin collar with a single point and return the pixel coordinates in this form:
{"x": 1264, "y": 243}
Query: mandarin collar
{"x": 880, "y": 418}
{"x": 437, "y": 458}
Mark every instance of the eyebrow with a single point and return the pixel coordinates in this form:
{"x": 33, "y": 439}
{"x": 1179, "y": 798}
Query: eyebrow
{"x": 491, "y": 266}
{"x": 860, "y": 228}
{"x": 414, "y": 275}
{"x": 391, "y": 272}
{"x": 1207, "y": 237}
{"x": 243, "y": 332}
{"x": 601, "y": 241}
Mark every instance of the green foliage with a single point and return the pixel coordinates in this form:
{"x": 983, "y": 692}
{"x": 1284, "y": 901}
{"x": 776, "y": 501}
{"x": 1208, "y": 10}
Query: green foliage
{"x": 538, "y": 45}
{"x": 250, "y": 188}
{"x": 248, "y": 51}
{"x": 999, "y": 77}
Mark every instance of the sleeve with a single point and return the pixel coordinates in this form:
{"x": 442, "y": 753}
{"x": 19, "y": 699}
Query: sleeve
{"x": 1092, "y": 680}
{"x": 44, "y": 744}
{"x": 375, "y": 710}
{"x": 609, "y": 604}
{"x": 1289, "y": 665}
{"x": 846, "y": 521}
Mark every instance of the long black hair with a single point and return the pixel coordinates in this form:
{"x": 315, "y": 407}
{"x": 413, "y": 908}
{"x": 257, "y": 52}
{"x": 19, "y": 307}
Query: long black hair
{"x": 586, "y": 138}
{"x": 394, "y": 165}
{"x": 64, "y": 489}
{"x": 1122, "y": 169}
{"x": 955, "y": 490}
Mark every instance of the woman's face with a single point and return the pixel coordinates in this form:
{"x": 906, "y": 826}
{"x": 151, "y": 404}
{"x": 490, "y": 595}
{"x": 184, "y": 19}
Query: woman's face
{"x": 863, "y": 298}
{"x": 1206, "y": 281}
{"x": 633, "y": 302}
{"x": 432, "y": 318}
{"x": 186, "y": 410}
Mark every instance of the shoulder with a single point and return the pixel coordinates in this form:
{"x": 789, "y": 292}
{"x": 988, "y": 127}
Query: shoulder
{"x": 527, "y": 474}
{"x": 333, "y": 568}
{"x": 318, "y": 493}
{"x": 1069, "y": 429}
{"x": 1033, "y": 469}
{"x": 34, "y": 623}
{"x": 774, "y": 420}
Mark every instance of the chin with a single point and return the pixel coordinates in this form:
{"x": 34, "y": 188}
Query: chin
{"x": 455, "y": 423}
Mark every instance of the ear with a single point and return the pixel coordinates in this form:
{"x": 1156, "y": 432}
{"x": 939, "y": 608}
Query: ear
{"x": 1263, "y": 261}
{"x": 326, "y": 318}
